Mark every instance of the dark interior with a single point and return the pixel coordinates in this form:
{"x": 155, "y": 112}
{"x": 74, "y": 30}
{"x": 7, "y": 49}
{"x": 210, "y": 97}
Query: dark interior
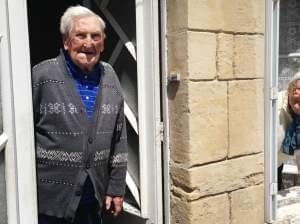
{"x": 46, "y": 41}
{"x": 44, "y": 35}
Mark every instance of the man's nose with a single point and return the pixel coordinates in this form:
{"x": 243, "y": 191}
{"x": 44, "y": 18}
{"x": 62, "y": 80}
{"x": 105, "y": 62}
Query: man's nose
{"x": 88, "y": 41}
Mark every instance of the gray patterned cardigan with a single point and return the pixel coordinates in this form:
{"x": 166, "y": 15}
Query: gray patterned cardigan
{"x": 68, "y": 146}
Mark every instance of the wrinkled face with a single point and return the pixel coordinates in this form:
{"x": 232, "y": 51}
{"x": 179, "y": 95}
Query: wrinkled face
{"x": 85, "y": 42}
{"x": 294, "y": 97}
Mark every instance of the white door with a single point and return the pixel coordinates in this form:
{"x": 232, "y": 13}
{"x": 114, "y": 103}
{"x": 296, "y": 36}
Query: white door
{"x": 17, "y": 165}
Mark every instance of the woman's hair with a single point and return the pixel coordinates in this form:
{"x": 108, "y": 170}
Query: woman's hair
{"x": 293, "y": 81}
{"x": 67, "y": 19}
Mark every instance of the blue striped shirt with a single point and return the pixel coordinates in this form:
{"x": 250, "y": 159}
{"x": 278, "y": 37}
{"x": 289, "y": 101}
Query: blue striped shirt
{"x": 86, "y": 84}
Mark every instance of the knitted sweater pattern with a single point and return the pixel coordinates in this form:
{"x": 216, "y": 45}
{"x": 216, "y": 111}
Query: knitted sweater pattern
{"x": 69, "y": 148}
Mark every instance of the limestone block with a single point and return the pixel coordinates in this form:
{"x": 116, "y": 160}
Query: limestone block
{"x": 205, "y": 14}
{"x": 248, "y": 56}
{"x": 206, "y": 211}
{"x": 225, "y": 46}
{"x": 180, "y": 211}
{"x": 208, "y": 122}
{"x": 211, "y": 210}
{"x": 178, "y": 54}
{"x": 179, "y": 125}
{"x": 202, "y": 55}
{"x": 243, "y": 15}
{"x": 246, "y": 124}
{"x": 230, "y": 15}
{"x": 176, "y": 15}
{"x": 193, "y": 54}
{"x": 179, "y": 147}
{"x": 247, "y": 206}
{"x": 218, "y": 177}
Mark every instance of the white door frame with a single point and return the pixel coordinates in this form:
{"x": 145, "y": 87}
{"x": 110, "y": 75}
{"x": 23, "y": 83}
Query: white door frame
{"x": 271, "y": 89}
{"x": 17, "y": 113}
{"x": 148, "y": 70}
{"x": 165, "y": 111}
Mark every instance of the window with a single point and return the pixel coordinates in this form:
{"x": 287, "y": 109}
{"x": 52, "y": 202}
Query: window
{"x": 282, "y": 63}
{"x": 289, "y": 41}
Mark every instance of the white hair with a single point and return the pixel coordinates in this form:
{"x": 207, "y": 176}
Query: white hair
{"x": 67, "y": 19}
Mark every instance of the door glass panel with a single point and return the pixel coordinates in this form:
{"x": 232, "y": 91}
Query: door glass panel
{"x": 288, "y": 196}
{"x": 289, "y": 41}
{"x": 127, "y": 76}
{"x": 124, "y": 19}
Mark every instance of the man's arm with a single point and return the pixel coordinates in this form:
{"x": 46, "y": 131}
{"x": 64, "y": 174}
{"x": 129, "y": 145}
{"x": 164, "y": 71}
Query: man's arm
{"x": 118, "y": 166}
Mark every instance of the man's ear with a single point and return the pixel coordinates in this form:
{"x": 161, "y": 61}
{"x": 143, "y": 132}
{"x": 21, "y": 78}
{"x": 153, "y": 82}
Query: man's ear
{"x": 65, "y": 42}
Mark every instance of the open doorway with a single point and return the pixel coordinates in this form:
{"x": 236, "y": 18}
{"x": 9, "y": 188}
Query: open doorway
{"x": 44, "y": 35}
{"x": 121, "y": 52}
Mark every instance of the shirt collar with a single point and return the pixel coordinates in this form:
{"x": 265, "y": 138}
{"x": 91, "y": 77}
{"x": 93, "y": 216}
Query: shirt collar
{"x": 77, "y": 74}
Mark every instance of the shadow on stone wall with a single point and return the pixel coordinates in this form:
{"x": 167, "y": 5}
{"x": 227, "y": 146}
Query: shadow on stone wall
{"x": 172, "y": 89}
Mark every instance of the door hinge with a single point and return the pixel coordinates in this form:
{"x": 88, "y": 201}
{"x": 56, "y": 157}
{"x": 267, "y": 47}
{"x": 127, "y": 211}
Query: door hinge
{"x": 161, "y": 131}
{"x": 273, "y": 93}
{"x": 273, "y": 188}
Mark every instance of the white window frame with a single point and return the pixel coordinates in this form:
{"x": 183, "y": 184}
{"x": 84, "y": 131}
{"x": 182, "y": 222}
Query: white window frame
{"x": 17, "y": 113}
{"x": 271, "y": 89}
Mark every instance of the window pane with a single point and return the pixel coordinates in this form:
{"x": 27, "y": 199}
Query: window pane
{"x": 289, "y": 65}
{"x": 289, "y": 42}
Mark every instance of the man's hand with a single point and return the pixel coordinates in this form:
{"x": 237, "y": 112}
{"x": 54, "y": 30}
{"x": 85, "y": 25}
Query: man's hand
{"x": 114, "y": 204}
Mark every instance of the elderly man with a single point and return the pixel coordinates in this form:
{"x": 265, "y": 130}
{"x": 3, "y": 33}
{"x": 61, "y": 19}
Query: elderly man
{"x": 81, "y": 143}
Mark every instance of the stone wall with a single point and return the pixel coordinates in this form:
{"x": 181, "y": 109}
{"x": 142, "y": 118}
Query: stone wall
{"x": 216, "y": 111}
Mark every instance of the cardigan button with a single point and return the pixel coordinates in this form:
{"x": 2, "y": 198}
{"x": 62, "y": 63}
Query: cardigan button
{"x": 90, "y": 140}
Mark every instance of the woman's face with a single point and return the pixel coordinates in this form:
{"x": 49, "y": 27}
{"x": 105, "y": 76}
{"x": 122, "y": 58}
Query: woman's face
{"x": 294, "y": 97}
